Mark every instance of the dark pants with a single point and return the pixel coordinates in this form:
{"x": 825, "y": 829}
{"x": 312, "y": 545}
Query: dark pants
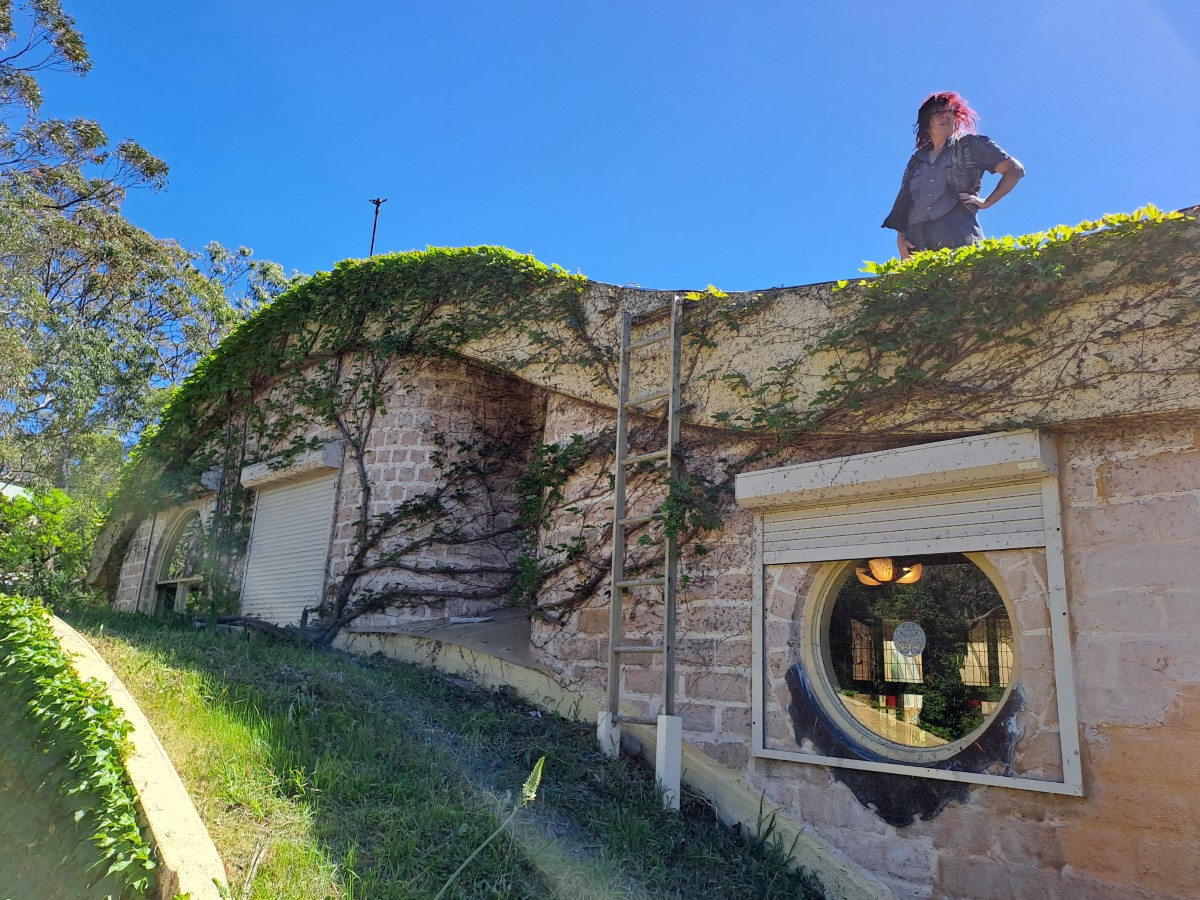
{"x": 957, "y": 228}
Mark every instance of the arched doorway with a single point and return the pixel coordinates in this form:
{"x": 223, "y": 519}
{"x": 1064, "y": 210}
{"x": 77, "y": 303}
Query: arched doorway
{"x": 179, "y": 566}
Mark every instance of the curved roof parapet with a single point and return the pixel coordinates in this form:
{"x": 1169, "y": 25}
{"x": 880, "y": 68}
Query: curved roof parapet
{"x": 1071, "y": 325}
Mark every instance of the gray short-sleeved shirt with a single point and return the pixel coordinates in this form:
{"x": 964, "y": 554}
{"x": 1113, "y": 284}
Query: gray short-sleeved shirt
{"x": 932, "y": 195}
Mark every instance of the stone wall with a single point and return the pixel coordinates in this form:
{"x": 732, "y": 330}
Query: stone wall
{"x": 1130, "y": 498}
{"x": 429, "y": 410}
{"x": 137, "y": 581}
{"x": 437, "y": 407}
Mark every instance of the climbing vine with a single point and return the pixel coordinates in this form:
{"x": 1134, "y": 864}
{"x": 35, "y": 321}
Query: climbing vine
{"x": 960, "y": 333}
{"x": 989, "y": 336}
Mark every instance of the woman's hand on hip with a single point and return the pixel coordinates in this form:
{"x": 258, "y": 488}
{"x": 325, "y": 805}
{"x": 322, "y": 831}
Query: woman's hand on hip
{"x": 973, "y": 201}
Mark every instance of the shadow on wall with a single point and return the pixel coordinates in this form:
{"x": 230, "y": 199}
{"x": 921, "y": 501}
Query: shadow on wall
{"x": 901, "y": 799}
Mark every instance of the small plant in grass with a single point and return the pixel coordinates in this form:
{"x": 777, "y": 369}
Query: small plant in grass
{"x": 79, "y": 719}
{"x": 528, "y": 795}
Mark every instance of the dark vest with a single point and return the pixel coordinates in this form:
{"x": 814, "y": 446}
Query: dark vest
{"x": 964, "y": 175}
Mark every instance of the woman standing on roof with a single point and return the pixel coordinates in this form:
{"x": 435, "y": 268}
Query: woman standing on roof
{"x": 939, "y": 194}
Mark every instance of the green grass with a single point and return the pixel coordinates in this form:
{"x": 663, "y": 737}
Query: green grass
{"x": 326, "y": 775}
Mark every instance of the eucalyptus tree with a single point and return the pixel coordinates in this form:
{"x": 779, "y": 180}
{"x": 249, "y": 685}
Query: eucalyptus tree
{"x": 101, "y": 319}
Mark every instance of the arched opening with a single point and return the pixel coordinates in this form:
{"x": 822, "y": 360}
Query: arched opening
{"x": 179, "y": 565}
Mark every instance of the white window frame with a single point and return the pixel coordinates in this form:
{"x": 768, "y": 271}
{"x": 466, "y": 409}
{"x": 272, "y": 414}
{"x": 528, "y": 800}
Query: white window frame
{"x": 1014, "y": 458}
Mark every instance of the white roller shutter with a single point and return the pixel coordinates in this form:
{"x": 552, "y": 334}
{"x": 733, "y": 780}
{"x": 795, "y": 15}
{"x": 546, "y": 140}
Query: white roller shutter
{"x": 990, "y": 518}
{"x": 289, "y": 548}
{"x": 987, "y": 492}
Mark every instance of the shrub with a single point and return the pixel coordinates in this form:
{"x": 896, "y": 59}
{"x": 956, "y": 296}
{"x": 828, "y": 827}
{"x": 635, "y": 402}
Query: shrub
{"x": 42, "y": 548}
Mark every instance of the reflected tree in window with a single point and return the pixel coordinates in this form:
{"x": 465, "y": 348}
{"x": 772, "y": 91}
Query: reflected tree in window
{"x": 942, "y": 691}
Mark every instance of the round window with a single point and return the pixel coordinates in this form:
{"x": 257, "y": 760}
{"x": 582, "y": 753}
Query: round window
{"x": 919, "y": 652}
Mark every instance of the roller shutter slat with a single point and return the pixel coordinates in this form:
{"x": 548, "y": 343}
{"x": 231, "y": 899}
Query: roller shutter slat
{"x": 289, "y": 549}
{"x": 992, "y": 517}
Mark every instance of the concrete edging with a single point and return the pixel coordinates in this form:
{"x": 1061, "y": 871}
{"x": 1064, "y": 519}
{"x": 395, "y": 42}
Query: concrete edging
{"x": 725, "y": 789}
{"x": 188, "y": 862}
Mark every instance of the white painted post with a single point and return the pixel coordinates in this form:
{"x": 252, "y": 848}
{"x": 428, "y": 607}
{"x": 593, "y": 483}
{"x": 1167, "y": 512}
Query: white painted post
{"x": 608, "y": 734}
{"x": 668, "y": 759}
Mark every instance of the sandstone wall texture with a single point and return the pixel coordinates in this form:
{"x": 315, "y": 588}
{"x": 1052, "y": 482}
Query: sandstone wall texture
{"x": 437, "y": 408}
{"x": 1130, "y": 498}
{"x": 1129, "y": 493}
{"x": 430, "y": 410}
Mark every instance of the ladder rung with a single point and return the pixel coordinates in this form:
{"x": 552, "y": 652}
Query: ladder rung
{"x": 633, "y": 720}
{"x": 636, "y": 520}
{"x": 651, "y": 339}
{"x": 641, "y": 582}
{"x": 644, "y": 457}
{"x": 637, "y": 648}
{"x": 647, "y": 397}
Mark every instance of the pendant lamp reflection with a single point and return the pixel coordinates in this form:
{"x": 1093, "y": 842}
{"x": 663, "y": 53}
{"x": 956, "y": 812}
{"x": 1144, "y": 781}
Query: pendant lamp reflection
{"x": 886, "y": 570}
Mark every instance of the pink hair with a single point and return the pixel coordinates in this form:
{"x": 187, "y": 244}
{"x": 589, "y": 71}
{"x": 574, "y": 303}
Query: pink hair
{"x": 965, "y": 118}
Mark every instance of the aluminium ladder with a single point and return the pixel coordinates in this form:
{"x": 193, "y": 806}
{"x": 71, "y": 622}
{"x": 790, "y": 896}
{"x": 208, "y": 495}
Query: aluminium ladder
{"x": 668, "y": 744}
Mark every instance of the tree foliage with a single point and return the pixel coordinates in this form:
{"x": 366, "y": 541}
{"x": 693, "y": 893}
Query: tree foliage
{"x": 42, "y": 548}
{"x": 101, "y": 319}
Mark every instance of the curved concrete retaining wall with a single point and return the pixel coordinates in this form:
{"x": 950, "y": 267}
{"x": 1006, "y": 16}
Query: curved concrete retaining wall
{"x": 188, "y": 860}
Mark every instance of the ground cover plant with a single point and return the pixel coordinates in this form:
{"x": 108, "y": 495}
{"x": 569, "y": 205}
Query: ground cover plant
{"x": 66, "y": 735}
{"x": 325, "y": 775}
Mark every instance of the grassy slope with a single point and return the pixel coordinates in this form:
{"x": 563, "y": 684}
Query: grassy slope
{"x": 323, "y": 775}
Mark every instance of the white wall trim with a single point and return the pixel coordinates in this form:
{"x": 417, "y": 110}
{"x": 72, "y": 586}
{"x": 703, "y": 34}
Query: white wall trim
{"x": 289, "y": 468}
{"x": 1008, "y": 458}
{"x": 903, "y": 503}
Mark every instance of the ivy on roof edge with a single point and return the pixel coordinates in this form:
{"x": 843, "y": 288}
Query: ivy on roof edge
{"x": 426, "y": 302}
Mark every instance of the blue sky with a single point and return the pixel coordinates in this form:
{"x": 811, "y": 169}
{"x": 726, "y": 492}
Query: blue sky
{"x": 670, "y": 145}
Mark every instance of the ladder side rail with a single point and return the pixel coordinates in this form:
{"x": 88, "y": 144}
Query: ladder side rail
{"x": 673, "y": 471}
{"x": 615, "y": 623}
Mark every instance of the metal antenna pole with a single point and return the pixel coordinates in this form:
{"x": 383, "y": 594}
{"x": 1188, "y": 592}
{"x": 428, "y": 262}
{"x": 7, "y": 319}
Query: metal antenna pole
{"x": 378, "y": 201}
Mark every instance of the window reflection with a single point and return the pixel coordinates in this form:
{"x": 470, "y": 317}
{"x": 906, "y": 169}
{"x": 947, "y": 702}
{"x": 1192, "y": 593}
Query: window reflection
{"x": 926, "y": 663}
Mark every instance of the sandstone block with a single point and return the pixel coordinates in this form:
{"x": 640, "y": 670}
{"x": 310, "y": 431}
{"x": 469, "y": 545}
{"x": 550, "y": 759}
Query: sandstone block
{"x": 593, "y": 621}
{"x": 1103, "y": 851}
{"x": 575, "y": 647}
{"x": 735, "y": 722}
{"x": 716, "y": 652}
{"x": 698, "y": 718}
{"x": 643, "y": 681}
{"x": 981, "y": 878}
{"x": 732, "y": 755}
{"x": 1181, "y": 609}
{"x": 1039, "y": 755}
{"x": 1121, "y": 612}
{"x": 1156, "y": 565}
{"x": 1028, "y": 842}
{"x": 714, "y": 686}
{"x": 1078, "y": 485}
{"x": 1163, "y": 473}
{"x": 1035, "y": 653}
{"x": 1134, "y": 522}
